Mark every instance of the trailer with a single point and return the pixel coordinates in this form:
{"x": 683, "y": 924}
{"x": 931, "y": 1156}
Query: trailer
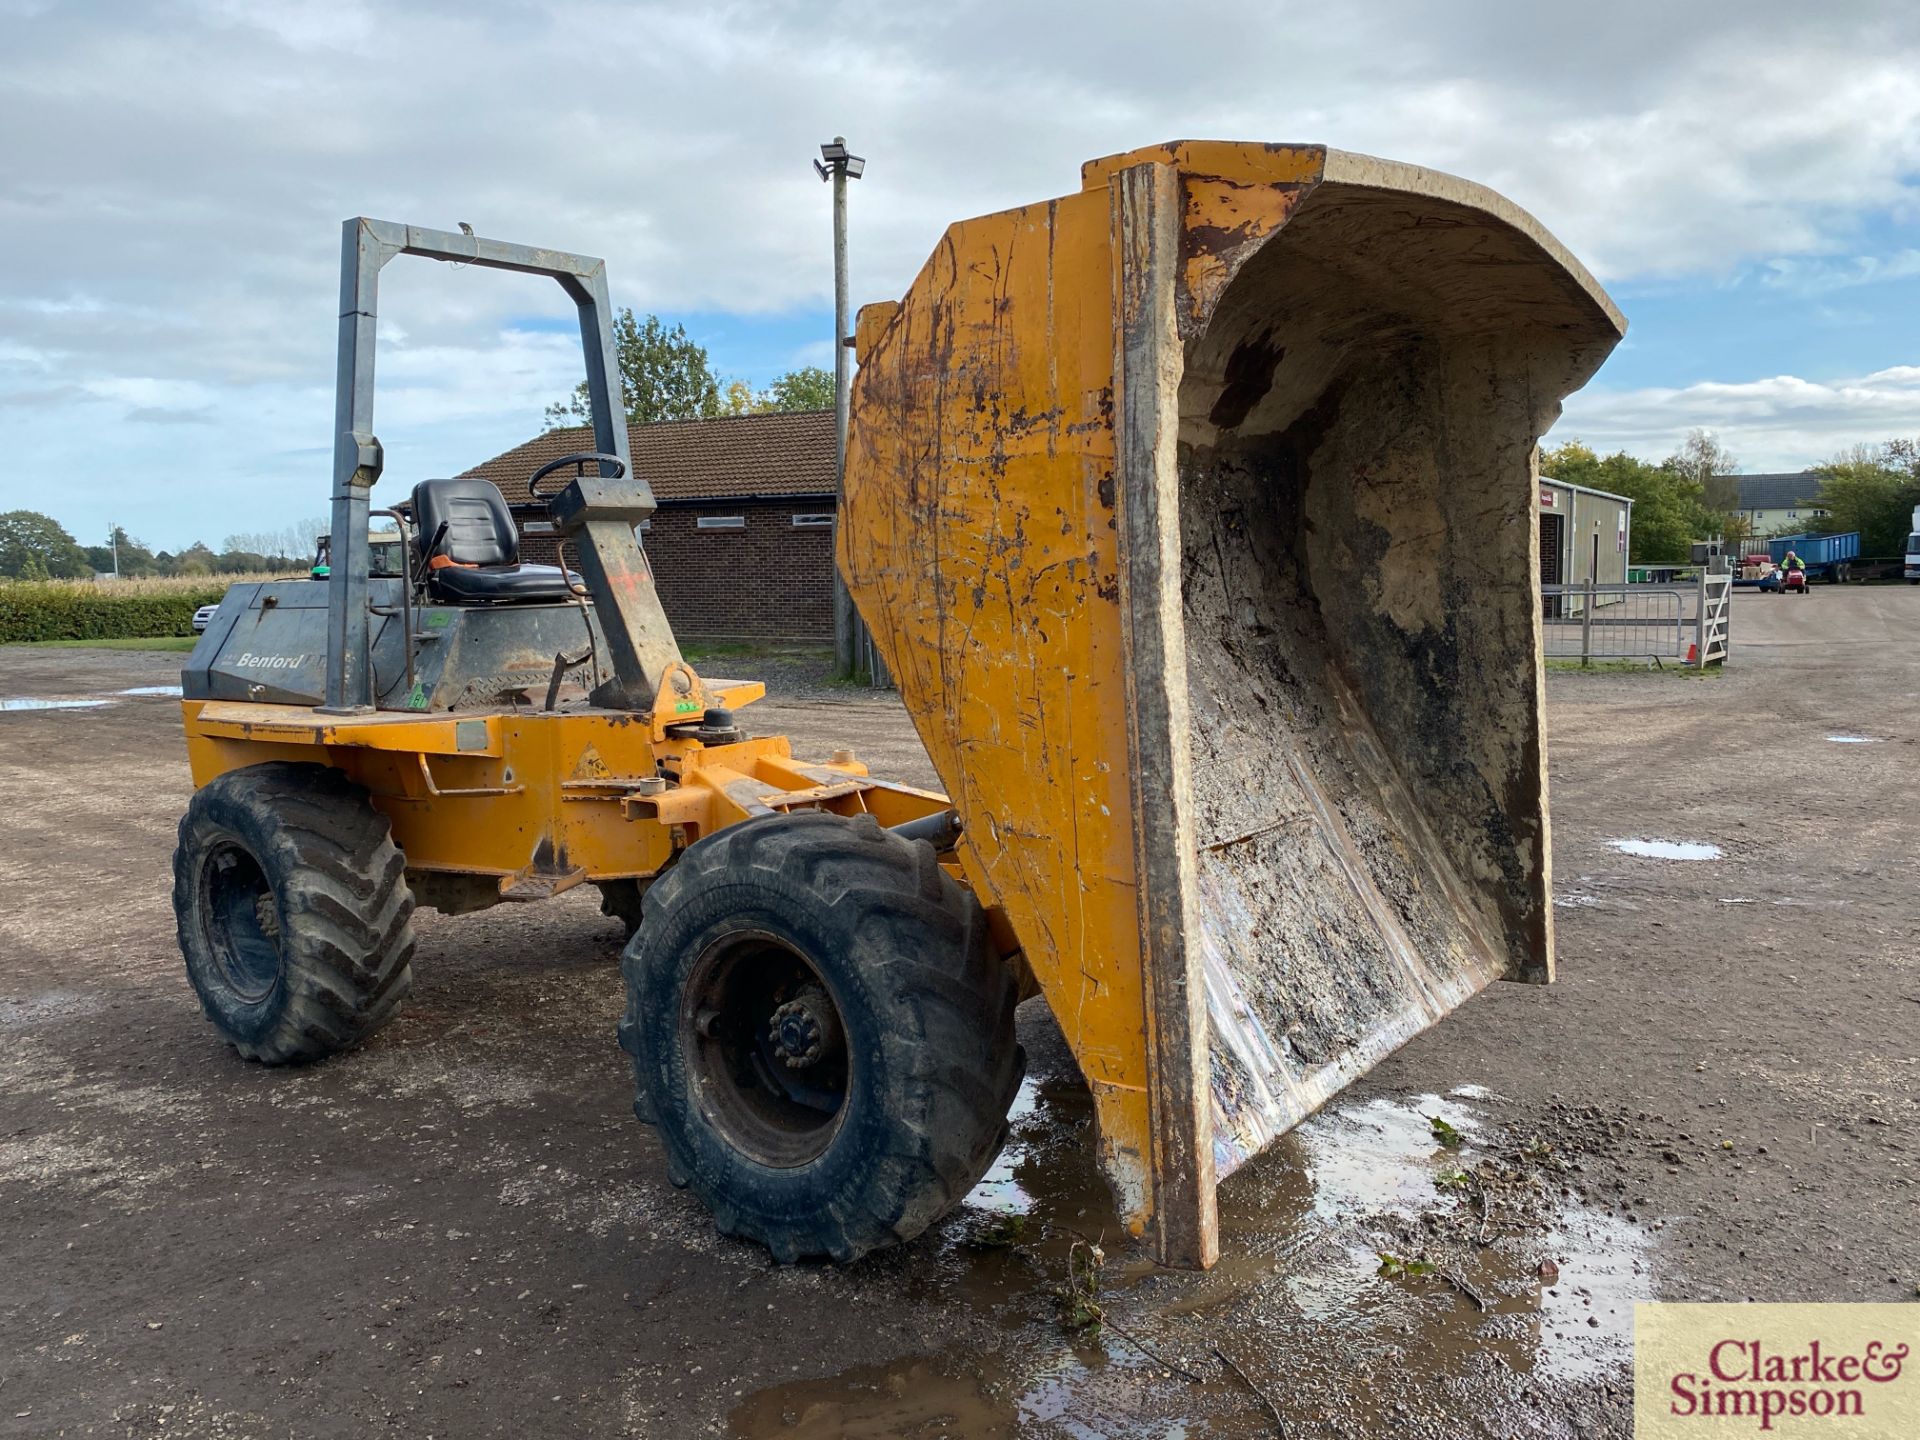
{"x": 1827, "y": 557}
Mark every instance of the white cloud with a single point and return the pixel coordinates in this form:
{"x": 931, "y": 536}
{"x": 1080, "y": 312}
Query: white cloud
{"x": 1816, "y": 276}
{"x": 148, "y": 392}
{"x": 520, "y": 374}
{"x": 1779, "y": 423}
{"x": 176, "y": 176}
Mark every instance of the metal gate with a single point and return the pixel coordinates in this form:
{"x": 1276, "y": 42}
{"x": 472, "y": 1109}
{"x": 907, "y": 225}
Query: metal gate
{"x": 1685, "y": 621}
{"x": 1716, "y": 619}
{"x": 1552, "y": 528}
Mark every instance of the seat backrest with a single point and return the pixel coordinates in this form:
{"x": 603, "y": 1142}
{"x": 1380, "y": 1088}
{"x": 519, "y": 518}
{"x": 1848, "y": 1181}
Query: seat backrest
{"x": 480, "y": 529}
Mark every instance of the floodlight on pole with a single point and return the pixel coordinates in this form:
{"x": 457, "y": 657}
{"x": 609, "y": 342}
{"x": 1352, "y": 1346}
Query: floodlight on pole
{"x": 838, "y": 164}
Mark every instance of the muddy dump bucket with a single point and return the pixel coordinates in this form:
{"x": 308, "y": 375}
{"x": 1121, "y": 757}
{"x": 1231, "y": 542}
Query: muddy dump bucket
{"x": 1195, "y": 514}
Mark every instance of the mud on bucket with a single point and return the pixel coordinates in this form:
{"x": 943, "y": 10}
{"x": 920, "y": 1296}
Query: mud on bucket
{"x": 1195, "y": 515}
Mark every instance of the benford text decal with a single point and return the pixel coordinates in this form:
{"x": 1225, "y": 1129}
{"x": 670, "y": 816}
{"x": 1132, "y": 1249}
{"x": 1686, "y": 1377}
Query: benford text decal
{"x": 251, "y": 661}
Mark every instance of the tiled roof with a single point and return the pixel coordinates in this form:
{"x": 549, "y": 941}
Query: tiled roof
{"x": 1777, "y": 491}
{"x": 787, "y": 452}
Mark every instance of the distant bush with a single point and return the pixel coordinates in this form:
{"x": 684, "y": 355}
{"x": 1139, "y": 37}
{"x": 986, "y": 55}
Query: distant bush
{"x": 108, "y": 610}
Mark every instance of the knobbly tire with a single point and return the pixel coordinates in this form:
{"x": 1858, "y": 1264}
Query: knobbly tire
{"x": 821, "y": 1032}
{"x": 623, "y": 901}
{"x": 293, "y": 911}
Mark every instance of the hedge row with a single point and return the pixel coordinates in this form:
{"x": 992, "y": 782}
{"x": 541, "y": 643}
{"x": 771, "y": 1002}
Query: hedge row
{"x": 31, "y": 611}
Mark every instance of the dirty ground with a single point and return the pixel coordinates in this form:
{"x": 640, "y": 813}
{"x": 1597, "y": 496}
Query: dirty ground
{"x": 461, "y": 1230}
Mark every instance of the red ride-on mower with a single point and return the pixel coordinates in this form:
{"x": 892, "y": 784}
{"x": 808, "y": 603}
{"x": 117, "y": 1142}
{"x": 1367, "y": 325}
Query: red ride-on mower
{"x": 1793, "y": 582}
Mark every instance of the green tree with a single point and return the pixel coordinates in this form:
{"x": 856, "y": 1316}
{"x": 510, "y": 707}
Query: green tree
{"x": 135, "y": 559}
{"x": 663, "y": 376}
{"x": 1669, "y": 509}
{"x": 1872, "y": 489}
{"x": 36, "y": 546}
{"x": 808, "y": 388}
{"x": 1702, "y": 459}
{"x": 196, "y": 559}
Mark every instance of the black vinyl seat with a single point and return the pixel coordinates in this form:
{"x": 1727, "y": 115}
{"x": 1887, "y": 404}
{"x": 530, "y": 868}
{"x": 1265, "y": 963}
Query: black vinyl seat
{"x": 479, "y": 547}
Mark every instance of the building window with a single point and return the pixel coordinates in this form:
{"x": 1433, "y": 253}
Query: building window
{"x": 721, "y": 522}
{"x": 1793, "y": 514}
{"x": 813, "y": 521}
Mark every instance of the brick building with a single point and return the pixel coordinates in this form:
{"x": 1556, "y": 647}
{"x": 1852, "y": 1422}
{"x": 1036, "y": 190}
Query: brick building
{"x": 742, "y": 542}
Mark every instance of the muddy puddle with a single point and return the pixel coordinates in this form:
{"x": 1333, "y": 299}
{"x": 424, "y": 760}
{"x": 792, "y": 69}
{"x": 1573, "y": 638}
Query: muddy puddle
{"x": 27, "y": 702}
{"x": 1668, "y": 849}
{"x": 1391, "y": 1264}
{"x": 34, "y": 702}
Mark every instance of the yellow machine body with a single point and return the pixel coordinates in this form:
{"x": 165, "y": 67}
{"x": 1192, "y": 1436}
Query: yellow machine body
{"x": 1194, "y": 515}
{"x": 523, "y": 804}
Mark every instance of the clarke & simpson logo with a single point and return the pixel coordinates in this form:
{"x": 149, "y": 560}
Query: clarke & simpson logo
{"x": 1713, "y": 1371}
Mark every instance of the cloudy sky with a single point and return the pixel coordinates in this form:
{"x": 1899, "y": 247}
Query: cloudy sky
{"x": 1745, "y": 178}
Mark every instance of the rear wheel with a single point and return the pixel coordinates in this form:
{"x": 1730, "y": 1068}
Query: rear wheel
{"x": 293, "y": 911}
{"x": 821, "y": 1032}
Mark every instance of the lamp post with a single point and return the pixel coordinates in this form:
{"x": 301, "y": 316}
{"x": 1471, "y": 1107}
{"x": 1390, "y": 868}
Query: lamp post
{"x": 838, "y": 166}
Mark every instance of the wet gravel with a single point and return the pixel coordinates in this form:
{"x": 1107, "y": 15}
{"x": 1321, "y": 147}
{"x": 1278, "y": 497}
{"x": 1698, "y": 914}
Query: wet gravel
{"x": 461, "y": 1230}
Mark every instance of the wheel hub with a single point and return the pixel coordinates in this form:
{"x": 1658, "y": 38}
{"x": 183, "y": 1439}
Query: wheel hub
{"x": 766, "y": 1048}
{"x": 805, "y": 1029}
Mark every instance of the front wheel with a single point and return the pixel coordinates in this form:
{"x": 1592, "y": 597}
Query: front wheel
{"x": 821, "y": 1032}
{"x": 625, "y": 901}
{"x": 293, "y": 911}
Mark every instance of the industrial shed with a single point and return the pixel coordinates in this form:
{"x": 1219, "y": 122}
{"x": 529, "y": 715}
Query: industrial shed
{"x": 1584, "y": 534}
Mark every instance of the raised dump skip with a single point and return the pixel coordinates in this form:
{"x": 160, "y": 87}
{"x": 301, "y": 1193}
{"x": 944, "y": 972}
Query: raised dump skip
{"x": 1195, "y": 515}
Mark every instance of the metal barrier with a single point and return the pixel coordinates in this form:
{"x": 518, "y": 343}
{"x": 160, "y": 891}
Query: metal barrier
{"x": 1685, "y": 622}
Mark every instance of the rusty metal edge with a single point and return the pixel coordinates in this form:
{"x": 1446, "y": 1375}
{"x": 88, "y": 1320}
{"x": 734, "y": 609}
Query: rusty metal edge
{"x": 1146, "y": 213}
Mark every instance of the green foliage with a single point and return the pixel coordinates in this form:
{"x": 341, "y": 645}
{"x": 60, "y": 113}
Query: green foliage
{"x": 1669, "y": 505}
{"x": 135, "y": 560}
{"x": 1002, "y": 1232}
{"x": 1449, "y": 1138}
{"x": 663, "y": 374}
{"x": 37, "y": 547}
{"x": 1079, "y": 1297}
{"x": 1394, "y": 1267}
{"x": 1872, "y": 489}
{"x": 1703, "y": 460}
{"x": 808, "y": 388}
{"x": 54, "y": 611}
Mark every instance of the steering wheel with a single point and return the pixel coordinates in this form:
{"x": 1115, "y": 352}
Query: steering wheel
{"x": 579, "y": 463}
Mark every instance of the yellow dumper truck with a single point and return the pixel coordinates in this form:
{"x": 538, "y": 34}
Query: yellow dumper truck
{"x": 1193, "y": 512}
